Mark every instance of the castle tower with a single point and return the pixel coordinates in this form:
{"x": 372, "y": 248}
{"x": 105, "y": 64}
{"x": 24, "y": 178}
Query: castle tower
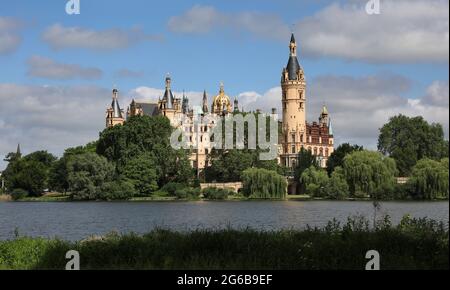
{"x": 205, "y": 103}
{"x": 114, "y": 115}
{"x": 324, "y": 117}
{"x": 293, "y": 87}
{"x": 169, "y": 105}
{"x": 236, "y": 105}
{"x": 185, "y": 104}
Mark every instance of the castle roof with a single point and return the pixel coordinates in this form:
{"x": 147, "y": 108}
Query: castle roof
{"x": 117, "y": 112}
{"x": 293, "y": 66}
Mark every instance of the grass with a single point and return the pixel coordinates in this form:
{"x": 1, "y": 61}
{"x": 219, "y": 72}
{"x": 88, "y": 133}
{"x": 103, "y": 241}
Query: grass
{"x": 413, "y": 244}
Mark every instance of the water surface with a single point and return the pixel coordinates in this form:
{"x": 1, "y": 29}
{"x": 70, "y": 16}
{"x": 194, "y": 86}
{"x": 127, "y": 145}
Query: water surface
{"x": 77, "y": 220}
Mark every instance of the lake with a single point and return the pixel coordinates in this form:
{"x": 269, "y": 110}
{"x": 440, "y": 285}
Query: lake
{"x": 78, "y": 220}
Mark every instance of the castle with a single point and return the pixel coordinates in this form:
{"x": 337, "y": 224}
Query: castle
{"x": 296, "y": 133}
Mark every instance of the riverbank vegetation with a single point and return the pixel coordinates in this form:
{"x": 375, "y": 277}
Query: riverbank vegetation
{"x": 412, "y": 244}
{"x": 135, "y": 161}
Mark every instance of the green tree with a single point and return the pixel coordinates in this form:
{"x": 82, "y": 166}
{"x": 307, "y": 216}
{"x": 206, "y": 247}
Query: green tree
{"x": 408, "y": 140}
{"x": 315, "y": 181}
{"x": 337, "y": 157}
{"x": 429, "y": 179}
{"x": 141, "y": 173}
{"x": 337, "y": 185}
{"x": 262, "y": 183}
{"x": 370, "y": 173}
{"x": 30, "y": 173}
{"x": 305, "y": 159}
{"x": 146, "y": 135}
{"x": 117, "y": 190}
{"x": 87, "y": 173}
{"x": 228, "y": 166}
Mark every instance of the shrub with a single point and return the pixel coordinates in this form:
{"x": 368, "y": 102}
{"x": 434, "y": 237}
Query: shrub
{"x": 187, "y": 193}
{"x": 18, "y": 193}
{"x": 172, "y": 187}
{"x": 118, "y": 189}
{"x": 216, "y": 193}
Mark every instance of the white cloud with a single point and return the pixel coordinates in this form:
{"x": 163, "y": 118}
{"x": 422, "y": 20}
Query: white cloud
{"x": 405, "y": 31}
{"x": 43, "y": 67}
{"x": 127, "y": 73}
{"x": 202, "y": 19}
{"x": 61, "y": 37}
{"x": 50, "y": 117}
{"x": 9, "y": 36}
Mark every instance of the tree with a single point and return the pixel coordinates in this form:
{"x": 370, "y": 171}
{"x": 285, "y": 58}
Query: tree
{"x": 146, "y": 135}
{"x": 87, "y": 174}
{"x": 58, "y": 175}
{"x": 30, "y": 173}
{"x": 305, "y": 159}
{"x": 337, "y": 185}
{"x": 228, "y": 166}
{"x": 262, "y": 183}
{"x": 370, "y": 173}
{"x": 429, "y": 179}
{"x": 141, "y": 173}
{"x": 408, "y": 140}
{"x": 117, "y": 190}
{"x": 315, "y": 181}
{"x": 27, "y": 175}
{"x": 337, "y": 157}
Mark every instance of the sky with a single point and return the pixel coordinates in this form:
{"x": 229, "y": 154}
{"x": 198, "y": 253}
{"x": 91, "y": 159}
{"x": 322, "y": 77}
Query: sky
{"x": 57, "y": 70}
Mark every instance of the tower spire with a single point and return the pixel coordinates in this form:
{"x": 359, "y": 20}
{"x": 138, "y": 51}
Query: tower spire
{"x": 293, "y": 46}
{"x": 205, "y": 103}
{"x": 18, "y": 152}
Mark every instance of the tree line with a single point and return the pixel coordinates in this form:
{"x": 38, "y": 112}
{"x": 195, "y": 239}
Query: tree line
{"x": 136, "y": 159}
{"x": 407, "y": 147}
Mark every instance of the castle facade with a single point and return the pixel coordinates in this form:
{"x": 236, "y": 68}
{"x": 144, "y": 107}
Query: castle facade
{"x": 296, "y": 133}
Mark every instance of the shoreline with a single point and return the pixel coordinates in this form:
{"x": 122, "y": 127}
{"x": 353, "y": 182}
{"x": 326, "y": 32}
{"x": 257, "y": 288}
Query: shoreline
{"x": 66, "y": 198}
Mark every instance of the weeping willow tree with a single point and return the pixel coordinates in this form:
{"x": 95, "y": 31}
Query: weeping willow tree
{"x": 429, "y": 179}
{"x": 370, "y": 173}
{"x": 262, "y": 183}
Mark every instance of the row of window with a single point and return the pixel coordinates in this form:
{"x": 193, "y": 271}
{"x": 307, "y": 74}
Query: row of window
{"x": 317, "y": 151}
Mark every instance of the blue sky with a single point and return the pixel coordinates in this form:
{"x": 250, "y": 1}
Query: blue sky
{"x": 242, "y": 43}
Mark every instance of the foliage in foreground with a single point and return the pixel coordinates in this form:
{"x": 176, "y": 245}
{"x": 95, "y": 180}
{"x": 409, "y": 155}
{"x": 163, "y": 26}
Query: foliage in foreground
{"x": 413, "y": 244}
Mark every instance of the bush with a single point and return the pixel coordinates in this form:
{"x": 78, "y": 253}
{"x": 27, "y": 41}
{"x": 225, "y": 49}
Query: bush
{"x": 216, "y": 193}
{"x": 187, "y": 193}
{"x": 19, "y": 193}
{"x": 118, "y": 189}
{"x": 172, "y": 187}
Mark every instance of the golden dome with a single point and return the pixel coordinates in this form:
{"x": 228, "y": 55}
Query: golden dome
{"x": 221, "y": 102}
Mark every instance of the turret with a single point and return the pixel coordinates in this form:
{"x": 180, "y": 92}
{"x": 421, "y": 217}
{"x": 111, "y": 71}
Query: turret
{"x": 205, "y": 103}
{"x": 114, "y": 115}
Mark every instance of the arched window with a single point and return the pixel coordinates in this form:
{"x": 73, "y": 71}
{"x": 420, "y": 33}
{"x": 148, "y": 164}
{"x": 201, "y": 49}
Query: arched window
{"x": 315, "y": 151}
{"x": 326, "y": 152}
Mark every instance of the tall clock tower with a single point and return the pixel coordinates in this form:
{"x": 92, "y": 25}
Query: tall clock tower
{"x": 293, "y": 87}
